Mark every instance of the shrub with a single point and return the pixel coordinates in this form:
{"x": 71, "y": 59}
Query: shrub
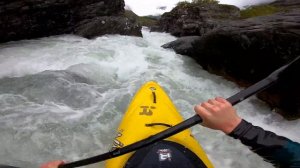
{"x": 183, "y": 4}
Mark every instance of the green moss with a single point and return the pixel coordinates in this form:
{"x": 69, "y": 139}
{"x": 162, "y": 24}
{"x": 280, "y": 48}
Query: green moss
{"x": 261, "y": 10}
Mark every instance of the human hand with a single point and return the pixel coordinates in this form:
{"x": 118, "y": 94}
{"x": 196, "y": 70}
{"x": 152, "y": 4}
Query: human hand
{"x": 218, "y": 114}
{"x": 53, "y": 164}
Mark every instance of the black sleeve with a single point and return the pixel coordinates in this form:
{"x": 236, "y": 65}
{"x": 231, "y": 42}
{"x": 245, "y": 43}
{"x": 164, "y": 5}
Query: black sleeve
{"x": 278, "y": 150}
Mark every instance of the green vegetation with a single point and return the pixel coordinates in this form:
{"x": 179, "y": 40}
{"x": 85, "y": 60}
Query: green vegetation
{"x": 130, "y": 14}
{"x": 205, "y": 1}
{"x": 185, "y": 4}
{"x": 143, "y": 21}
{"x": 261, "y": 10}
{"x": 147, "y": 21}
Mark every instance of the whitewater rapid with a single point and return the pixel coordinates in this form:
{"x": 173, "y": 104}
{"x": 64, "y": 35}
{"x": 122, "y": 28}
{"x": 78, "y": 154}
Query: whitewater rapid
{"x": 62, "y": 97}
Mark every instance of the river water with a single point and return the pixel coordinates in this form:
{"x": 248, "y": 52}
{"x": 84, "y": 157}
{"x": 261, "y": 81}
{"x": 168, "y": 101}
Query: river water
{"x": 62, "y": 97}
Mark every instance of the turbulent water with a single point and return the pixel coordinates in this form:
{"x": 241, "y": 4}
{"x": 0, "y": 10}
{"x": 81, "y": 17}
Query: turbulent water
{"x": 62, "y": 97}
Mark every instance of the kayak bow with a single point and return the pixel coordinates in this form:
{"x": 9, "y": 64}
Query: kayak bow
{"x": 150, "y": 112}
{"x": 276, "y": 76}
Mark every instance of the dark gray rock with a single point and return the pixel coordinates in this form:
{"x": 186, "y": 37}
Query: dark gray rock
{"x": 246, "y": 51}
{"x": 183, "y": 45}
{"x": 108, "y": 25}
{"x": 196, "y": 19}
{"x": 287, "y": 3}
{"x": 26, "y": 19}
{"x": 243, "y": 48}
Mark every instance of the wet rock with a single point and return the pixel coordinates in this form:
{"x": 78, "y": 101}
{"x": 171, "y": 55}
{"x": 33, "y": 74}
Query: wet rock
{"x": 246, "y": 51}
{"x": 108, "y": 25}
{"x": 196, "y": 19}
{"x": 250, "y": 49}
{"x": 287, "y": 3}
{"x": 26, "y": 19}
{"x": 183, "y": 45}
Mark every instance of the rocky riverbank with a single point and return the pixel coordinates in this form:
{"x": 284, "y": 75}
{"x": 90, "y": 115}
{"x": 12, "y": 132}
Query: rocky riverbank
{"x": 26, "y": 19}
{"x": 189, "y": 19}
{"x": 247, "y": 50}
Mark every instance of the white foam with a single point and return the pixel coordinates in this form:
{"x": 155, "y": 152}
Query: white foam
{"x": 114, "y": 68}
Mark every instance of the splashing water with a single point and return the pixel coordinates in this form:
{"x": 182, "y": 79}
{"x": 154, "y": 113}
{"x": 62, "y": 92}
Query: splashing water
{"x": 62, "y": 97}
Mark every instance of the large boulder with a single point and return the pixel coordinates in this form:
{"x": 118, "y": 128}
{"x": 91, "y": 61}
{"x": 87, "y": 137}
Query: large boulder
{"x": 183, "y": 45}
{"x": 196, "y": 18}
{"x": 25, "y": 19}
{"x": 108, "y": 25}
{"x": 246, "y": 51}
{"x": 287, "y": 3}
{"x": 269, "y": 40}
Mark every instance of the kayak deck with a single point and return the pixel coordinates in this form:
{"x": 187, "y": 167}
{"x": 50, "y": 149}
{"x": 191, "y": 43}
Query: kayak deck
{"x": 150, "y": 112}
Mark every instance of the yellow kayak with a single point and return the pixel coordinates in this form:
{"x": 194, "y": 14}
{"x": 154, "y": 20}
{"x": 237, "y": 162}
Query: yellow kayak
{"x": 150, "y": 112}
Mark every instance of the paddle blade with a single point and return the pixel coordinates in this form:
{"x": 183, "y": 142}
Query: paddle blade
{"x": 286, "y": 70}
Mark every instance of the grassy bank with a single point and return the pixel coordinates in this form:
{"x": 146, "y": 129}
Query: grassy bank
{"x": 143, "y": 21}
{"x": 260, "y": 10}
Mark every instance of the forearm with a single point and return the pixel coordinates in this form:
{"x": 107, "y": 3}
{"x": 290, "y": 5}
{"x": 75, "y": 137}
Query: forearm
{"x": 278, "y": 150}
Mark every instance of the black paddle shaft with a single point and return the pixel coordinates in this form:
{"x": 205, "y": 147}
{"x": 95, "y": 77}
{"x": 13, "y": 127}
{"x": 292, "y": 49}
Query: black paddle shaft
{"x": 242, "y": 95}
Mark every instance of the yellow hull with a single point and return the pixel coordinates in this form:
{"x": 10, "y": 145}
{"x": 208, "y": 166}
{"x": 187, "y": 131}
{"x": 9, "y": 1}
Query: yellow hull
{"x": 151, "y": 105}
